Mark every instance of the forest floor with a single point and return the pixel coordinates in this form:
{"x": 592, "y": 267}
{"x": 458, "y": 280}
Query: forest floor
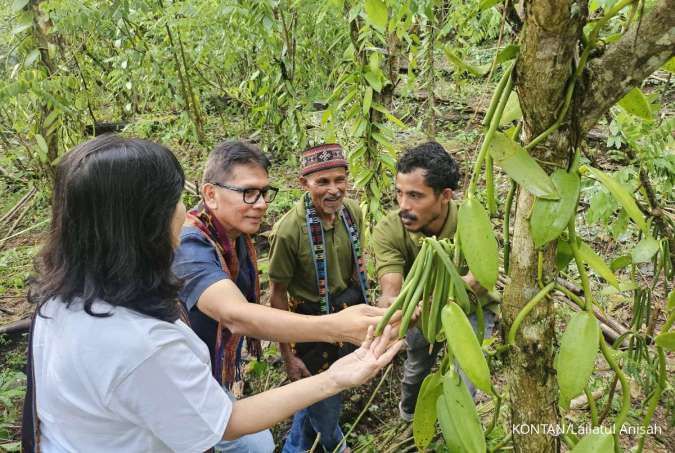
{"x": 380, "y": 429}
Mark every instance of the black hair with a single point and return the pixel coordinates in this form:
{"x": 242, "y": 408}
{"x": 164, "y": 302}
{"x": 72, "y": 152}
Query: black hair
{"x": 110, "y": 237}
{"x": 441, "y": 169}
{"x": 227, "y": 154}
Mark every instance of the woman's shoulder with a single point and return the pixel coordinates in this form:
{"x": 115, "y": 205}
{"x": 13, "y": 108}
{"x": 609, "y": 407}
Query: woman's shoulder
{"x": 111, "y": 331}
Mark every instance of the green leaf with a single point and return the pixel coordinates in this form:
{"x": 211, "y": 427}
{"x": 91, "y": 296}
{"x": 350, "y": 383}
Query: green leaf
{"x": 462, "y": 340}
{"x": 424, "y": 421}
{"x": 373, "y": 80}
{"x": 18, "y": 5}
{"x": 463, "y": 415}
{"x": 395, "y": 120}
{"x": 478, "y": 242}
{"x": 450, "y": 434}
{"x": 42, "y": 144}
{"x": 620, "y": 262}
{"x": 507, "y": 53}
{"x": 636, "y": 104}
{"x": 550, "y": 217}
{"x": 376, "y": 14}
{"x": 367, "y": 100}
{"x": 462, "y": 66}
{"x": 669, "y": 65}
{"x": 620, "y": 194}
{"x": 644, "y": 250}
{"x": 521, "y": 167}
{"x": 487, "y": 4}
{"x": 511, "y": 110}
{"x": 595, "y": 443}
{"x": 563, "y": 255}
{"x": 666, "y": 341}
{"x": 576, "y": 358}
{"x": 596, "y": 262}
{"x": 671, "y": 300}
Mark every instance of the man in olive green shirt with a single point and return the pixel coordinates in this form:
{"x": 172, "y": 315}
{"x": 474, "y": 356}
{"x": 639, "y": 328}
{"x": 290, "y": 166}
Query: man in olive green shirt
{"x": 426, "y": 178}
{"x": 315, "y": 260}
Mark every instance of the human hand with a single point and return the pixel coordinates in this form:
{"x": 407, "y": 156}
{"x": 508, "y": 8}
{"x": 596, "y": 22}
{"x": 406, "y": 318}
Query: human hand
{"x": 352, "y": 323}
{"x": 361, "y": 365}
{"x": 473, "y": 284}
{"x": 385, "y": 301}
{"x": 295, "y": 367}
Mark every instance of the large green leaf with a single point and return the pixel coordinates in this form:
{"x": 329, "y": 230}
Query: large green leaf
{"x": 595, "y": 443}
{"x": 478, "y": 242}
{"x": 463, "y": 414}
{"x": 424, "y": 422}
{"x": 621, "y": 195}
{"x": 644, "y": 250}
{"x": 376, "y": 14}
{"x": 550, "y": 217}
{"x": 521, "y": 167}
{"x": 576, "y": 359}
{"x": 596, "y": 263}
{"x": 450, "y": 434}
{"x": 636, "y": 104}
{"x": 464, "y": 345}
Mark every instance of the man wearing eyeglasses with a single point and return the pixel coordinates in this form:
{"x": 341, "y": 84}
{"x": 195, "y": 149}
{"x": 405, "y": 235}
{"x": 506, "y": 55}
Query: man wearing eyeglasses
{"x": 316, "y": 261}
{"x": 217, "y": 263}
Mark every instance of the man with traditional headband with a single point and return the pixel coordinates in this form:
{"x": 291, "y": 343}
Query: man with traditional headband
{"x": 216, "y": 260}
{"x": 316, "y": 261}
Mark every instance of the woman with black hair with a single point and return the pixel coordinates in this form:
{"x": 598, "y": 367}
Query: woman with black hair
{"x": 114, "y": 367}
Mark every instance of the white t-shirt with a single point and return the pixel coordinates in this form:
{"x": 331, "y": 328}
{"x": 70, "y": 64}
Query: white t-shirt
{"x": 124, "y": 383}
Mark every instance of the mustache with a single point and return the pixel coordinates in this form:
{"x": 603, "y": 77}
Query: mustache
{"x": 407, "y": 216}
{"x": 335, "y": 197}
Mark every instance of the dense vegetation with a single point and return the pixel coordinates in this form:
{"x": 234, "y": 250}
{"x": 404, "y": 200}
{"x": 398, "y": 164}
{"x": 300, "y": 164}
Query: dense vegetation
{"x": 559, "y": 112}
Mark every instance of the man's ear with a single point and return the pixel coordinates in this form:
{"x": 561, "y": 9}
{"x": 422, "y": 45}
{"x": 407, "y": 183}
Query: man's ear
{"x": 446, "y": 194}
{"x": 303, "y": 182}
{"x": 209, "y": 195}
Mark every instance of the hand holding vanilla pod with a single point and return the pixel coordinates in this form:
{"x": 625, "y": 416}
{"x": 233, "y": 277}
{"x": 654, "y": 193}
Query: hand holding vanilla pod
{"x": 432, "y": 280}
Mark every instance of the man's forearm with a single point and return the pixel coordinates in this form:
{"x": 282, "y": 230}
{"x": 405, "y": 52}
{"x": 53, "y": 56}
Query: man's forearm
{"x": 283, "y": 326}
{"x": 279, "y": 300}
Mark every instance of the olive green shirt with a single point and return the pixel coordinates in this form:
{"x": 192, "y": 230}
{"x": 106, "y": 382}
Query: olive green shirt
{"x": 291, "y": 260}
{"x": 395, "y": 247}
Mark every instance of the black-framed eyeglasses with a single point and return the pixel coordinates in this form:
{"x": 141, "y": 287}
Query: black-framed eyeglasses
{"x": 251, "y": 195}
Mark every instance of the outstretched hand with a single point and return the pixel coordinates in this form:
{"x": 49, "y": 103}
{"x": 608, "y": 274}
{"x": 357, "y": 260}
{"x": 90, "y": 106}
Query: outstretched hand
{"x": 361, "y": 365}
{"x": 354, "y": 322}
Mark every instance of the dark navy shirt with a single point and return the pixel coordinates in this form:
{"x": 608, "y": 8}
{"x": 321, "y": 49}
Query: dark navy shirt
{"x": 196, "y": 263}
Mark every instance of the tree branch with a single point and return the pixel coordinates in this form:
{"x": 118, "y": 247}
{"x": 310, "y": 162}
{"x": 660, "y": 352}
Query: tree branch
{"x": 625, "y": 64}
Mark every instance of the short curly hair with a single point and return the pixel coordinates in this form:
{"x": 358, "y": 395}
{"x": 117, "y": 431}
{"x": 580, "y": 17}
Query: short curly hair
{"x": 441, "y": 169}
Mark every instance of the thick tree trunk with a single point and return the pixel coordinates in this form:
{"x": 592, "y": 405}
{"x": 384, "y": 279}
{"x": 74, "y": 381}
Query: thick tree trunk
{"x": 548, "y": 48}
{"x": 550, "y": 42}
